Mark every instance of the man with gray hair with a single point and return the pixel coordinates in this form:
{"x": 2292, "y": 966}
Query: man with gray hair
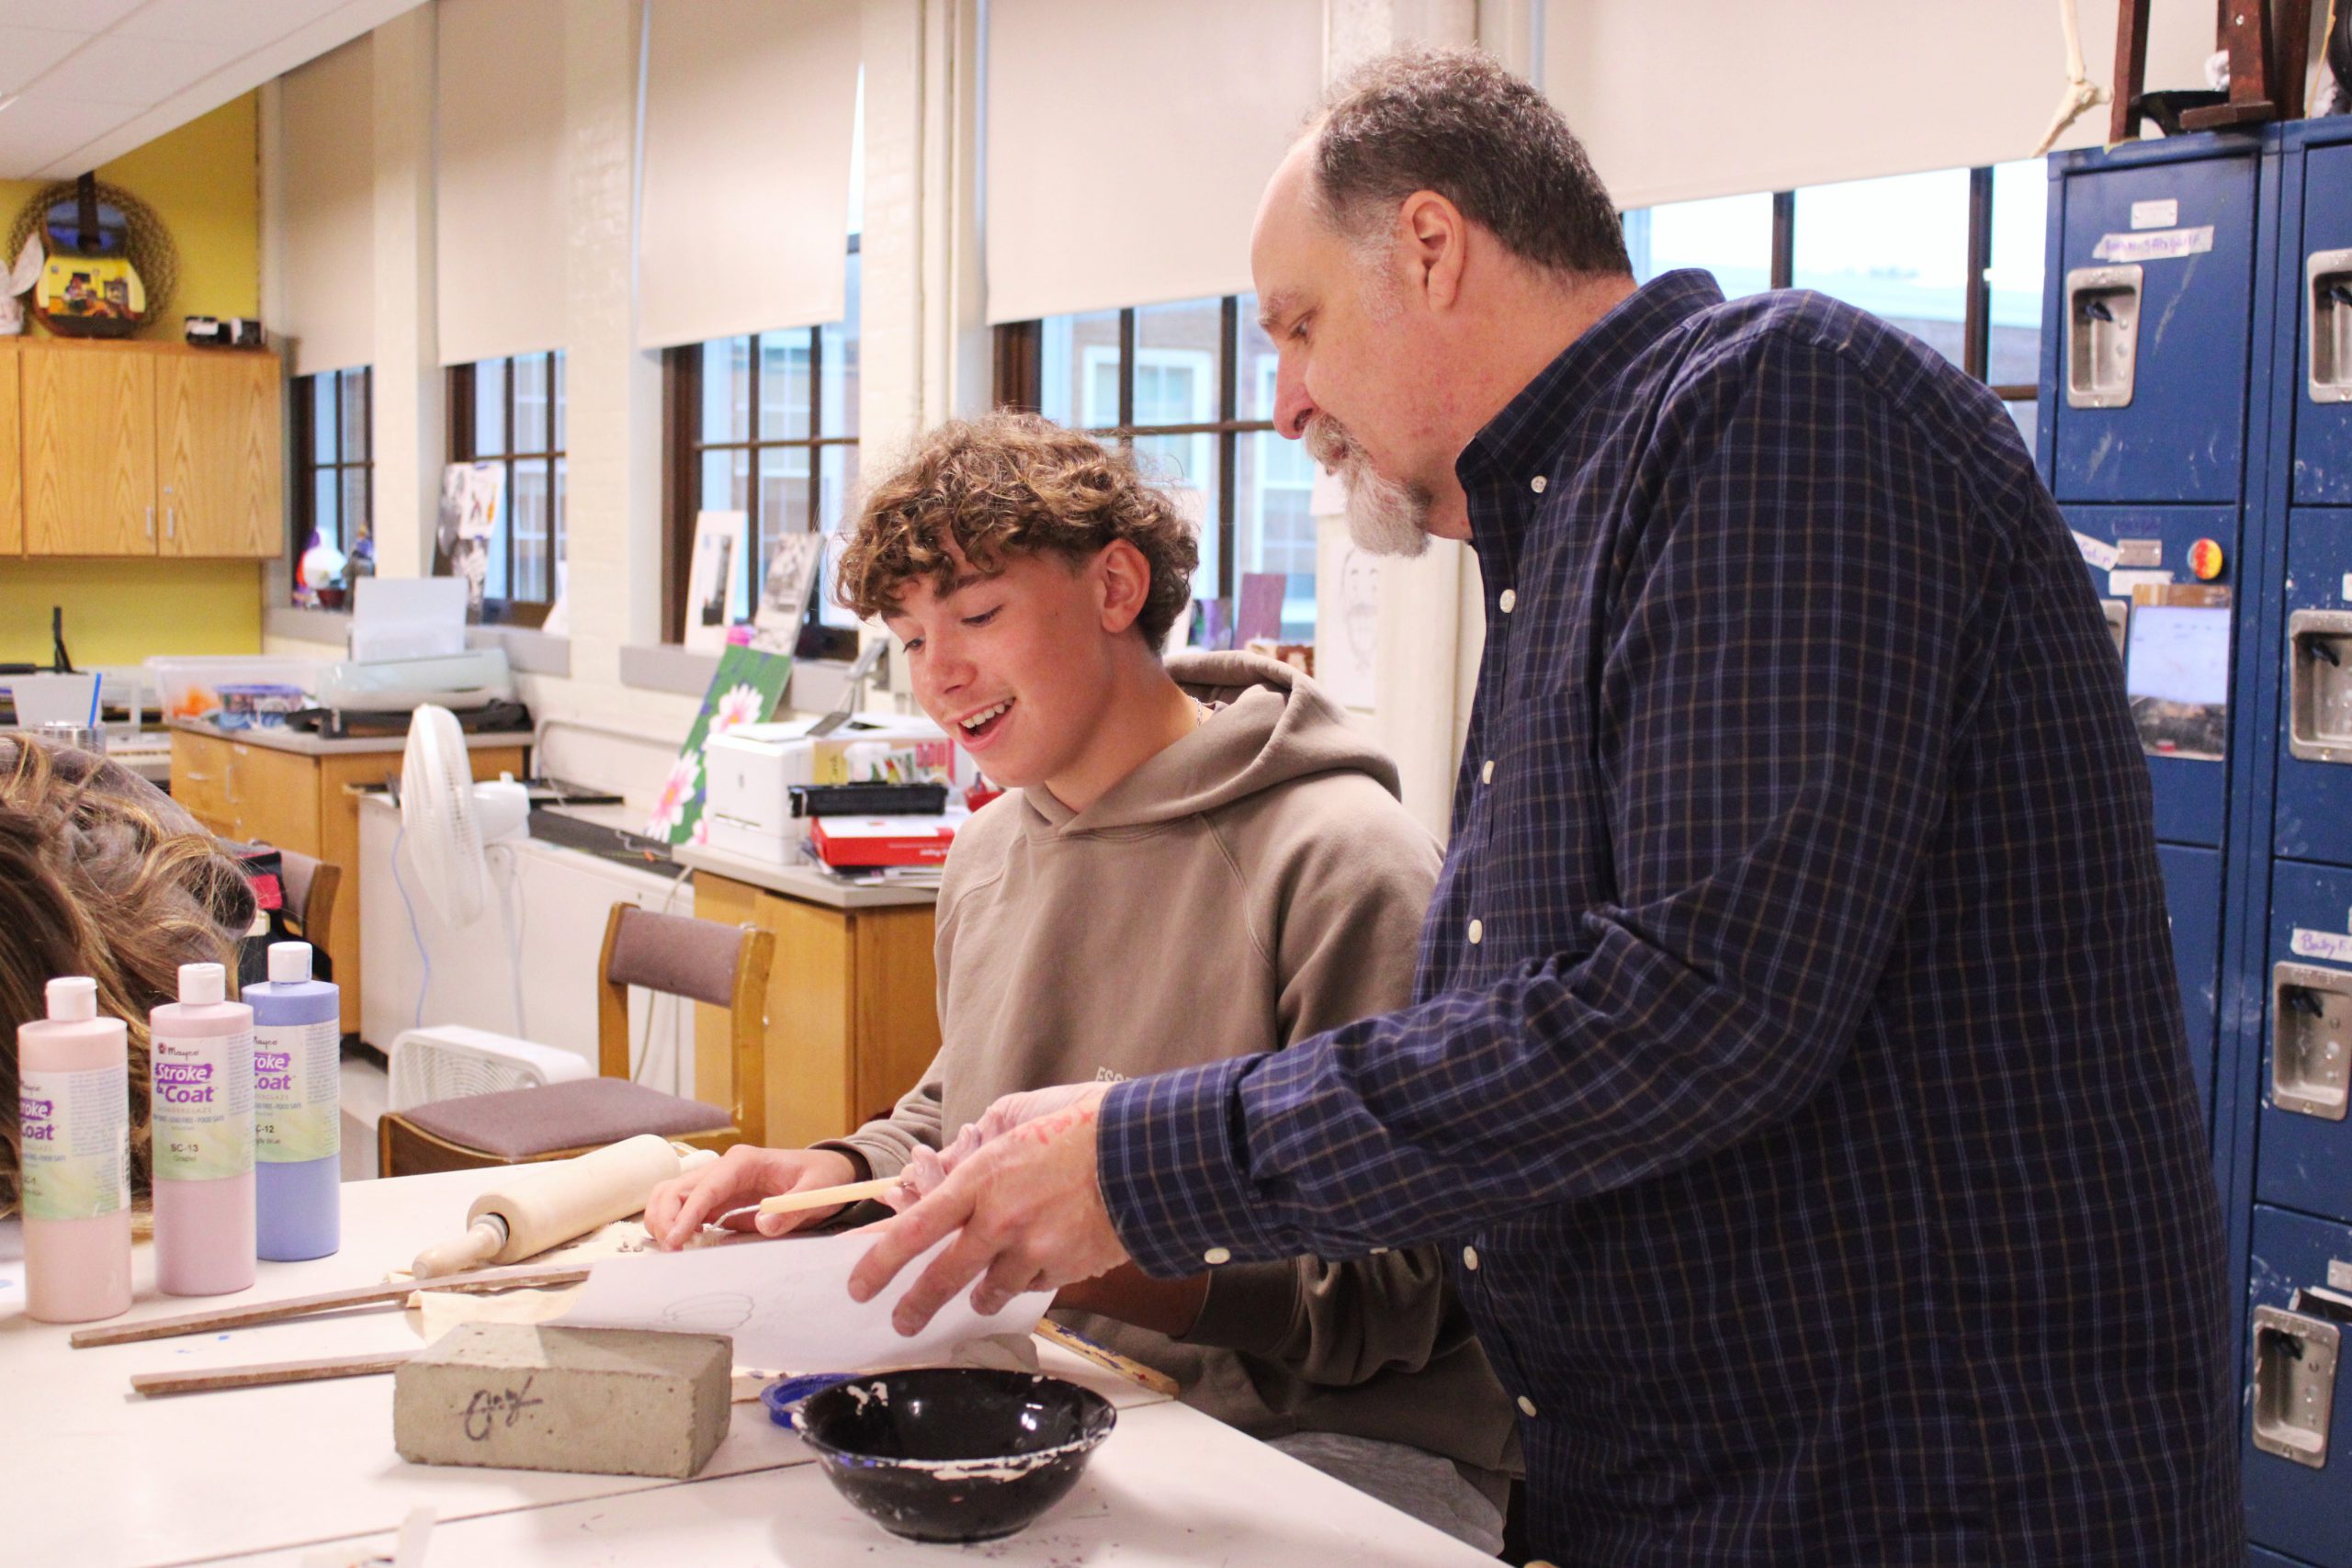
{"x": 1797, "y": 1072}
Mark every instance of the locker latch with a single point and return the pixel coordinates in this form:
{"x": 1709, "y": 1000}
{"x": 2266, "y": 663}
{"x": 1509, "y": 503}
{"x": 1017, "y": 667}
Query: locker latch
{"x": 2311, "y": 1040}
{"x": 2328, "y": 308}
{"x": 2102, "y": 335}
{"x": 2295, "y": 1352}
{"x": 2319, "y": 685}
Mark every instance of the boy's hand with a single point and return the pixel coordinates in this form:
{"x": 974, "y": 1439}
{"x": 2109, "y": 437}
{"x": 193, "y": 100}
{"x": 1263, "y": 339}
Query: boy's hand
{"x": 740, "y": 1179}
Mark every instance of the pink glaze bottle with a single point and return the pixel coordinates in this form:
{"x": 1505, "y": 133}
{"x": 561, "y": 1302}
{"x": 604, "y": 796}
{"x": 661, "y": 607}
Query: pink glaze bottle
{"x": 73, "y": 1073}
{"x": 201, "y": 1052}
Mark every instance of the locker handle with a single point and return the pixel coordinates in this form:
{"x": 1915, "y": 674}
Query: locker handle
{"x": 2102, "y": 327}
{"x": 2328, "y": 312}
{"x": 2294, "y": 1384}
{"x": 2322, "y": 649}
{"x": 2303, "y": 1002}
{"x": 2319, "y": 685}
{"x": 2310, "y": 1041}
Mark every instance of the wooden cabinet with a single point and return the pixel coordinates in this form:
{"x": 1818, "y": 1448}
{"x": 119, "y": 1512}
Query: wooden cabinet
{"x": 12, "y": 497}
{"x": 146, "y": 449}
{"x": 304, "y": 802}
{"x": 853, "y": 1016}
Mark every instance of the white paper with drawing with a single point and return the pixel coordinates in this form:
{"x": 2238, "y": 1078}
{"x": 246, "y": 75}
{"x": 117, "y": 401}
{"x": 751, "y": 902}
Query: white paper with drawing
{"x": 787, "y": 1304}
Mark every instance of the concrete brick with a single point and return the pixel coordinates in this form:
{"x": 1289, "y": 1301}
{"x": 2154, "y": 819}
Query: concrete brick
{"x": 525, "y": 1396}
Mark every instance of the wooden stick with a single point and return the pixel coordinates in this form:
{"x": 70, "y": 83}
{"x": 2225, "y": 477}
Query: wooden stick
{"x": 509, "y": 1278}
{"x": 156, "y": 1385}
{"x": 1108, "y": 1360}
{"x": 828, "y": 1197}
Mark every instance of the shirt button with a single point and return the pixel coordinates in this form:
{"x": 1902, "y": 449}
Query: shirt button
{"x": 1537, "y": 484}
{"x": 1510, "y": 600}
{"x": 1526, "y": 1406}
{"x": 1217, "y": 1255}
{"x": 1478, "y": 932}
{"x": 1470, "y": 1258}
{"x": 1487, "y": 774}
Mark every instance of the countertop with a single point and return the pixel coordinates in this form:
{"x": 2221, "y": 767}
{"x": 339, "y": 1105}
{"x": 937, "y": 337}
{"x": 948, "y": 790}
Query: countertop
{"x": 804, "y": 883}
{"x": 305, "y": 745}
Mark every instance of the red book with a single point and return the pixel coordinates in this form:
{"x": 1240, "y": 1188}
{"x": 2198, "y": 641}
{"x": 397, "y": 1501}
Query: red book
{"x": 880, "y": 840}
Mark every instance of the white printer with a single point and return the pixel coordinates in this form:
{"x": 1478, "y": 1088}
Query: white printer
{"x": 753, "y": 767}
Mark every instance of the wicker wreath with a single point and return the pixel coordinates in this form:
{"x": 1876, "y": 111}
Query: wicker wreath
{"x": 151, "y": 248}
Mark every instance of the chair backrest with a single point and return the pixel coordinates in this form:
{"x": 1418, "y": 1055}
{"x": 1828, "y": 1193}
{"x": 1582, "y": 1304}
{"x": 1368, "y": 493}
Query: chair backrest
{"x": 704, "y": 961}
{"x": 309, "y": 892}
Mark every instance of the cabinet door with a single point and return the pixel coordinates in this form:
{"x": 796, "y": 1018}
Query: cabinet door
{"x": 200, "y": 778}
{"x": 220, "y": 451}
{"x": 89, "y": 458}
{"x": 274, "y": 797}
{"x": 12, "y": 471}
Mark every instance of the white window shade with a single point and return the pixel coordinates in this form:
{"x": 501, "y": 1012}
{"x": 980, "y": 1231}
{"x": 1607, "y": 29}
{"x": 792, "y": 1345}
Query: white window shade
{"x": 500, "y": 225}
{"x": 328, "y": 153}
{"x": 749, "y": 106}
{"x": 1679, "y": 99}
{"x": 1127, "y": 145}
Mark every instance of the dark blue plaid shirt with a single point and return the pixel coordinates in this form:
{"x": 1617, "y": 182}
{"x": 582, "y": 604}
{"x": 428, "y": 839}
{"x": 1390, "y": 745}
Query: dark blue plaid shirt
{"x": 1797, "y": 1072}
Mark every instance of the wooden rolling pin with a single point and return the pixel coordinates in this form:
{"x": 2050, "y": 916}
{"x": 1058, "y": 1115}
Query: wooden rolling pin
{"x": 829, "y": 1197}
{"x": 545, "y": 1205}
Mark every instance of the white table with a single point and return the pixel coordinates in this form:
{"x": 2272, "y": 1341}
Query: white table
{"x": 103, "y": 1479}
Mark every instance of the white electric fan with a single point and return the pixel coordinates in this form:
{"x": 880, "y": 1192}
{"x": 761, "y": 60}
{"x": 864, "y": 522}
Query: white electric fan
{"x": 447, "y": 823}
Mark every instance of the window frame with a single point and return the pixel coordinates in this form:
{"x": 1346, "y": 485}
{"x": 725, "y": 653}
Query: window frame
{"x": 683, "y": 450}
{"x": 307, "y": 468}
{"x": 509, "y": 609}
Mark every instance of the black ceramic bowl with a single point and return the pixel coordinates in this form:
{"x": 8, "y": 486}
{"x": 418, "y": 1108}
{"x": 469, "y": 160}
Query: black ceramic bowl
{"x": 954, "y": 1454}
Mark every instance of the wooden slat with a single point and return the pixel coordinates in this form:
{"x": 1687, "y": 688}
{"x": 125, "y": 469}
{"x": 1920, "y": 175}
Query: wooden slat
{"x": 246, "y": 1313}
{"x": 89, "y": 451}
{"x": 158, "y": 1385}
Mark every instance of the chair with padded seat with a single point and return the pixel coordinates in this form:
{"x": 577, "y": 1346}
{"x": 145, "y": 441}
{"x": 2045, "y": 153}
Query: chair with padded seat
{"x": 704, "y": 961}
{"x": 310, "y": 885}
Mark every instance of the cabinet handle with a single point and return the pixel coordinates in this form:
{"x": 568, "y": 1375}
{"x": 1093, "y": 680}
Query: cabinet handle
{"x": 171, "y": 521}
{"x": 151, "y": 522}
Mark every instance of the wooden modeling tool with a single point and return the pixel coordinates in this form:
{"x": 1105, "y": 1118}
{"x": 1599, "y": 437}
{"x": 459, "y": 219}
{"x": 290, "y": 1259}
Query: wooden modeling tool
{"x": 829, "y": 1197}
{"x": 156, "y": 1385}
{"x": 325, "y": 1301}
{"x": 1110, "y": 1360}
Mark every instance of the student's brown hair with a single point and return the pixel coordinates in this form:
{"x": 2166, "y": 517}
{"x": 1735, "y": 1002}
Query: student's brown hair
{"x": 1005, "y": 485}
{"x": 100, "y": 875}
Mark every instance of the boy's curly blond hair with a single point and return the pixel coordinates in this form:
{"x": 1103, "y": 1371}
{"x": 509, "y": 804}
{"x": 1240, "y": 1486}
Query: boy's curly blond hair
{"x": 1006, "y": 485}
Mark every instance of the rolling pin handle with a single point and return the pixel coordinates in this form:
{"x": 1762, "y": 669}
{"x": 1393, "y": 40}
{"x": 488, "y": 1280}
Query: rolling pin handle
{"x": 477, "y": 1246}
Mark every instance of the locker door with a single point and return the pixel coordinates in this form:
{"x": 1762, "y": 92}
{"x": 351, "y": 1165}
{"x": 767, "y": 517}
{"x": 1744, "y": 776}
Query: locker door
{"x": 2304, "y": 1158}
{"x": 2193, "y": 899}
{"x": 2137, "y": 292}
{"x": 2298, "y": 1482}
{"x": 2322, "y": 374}
{"x": 2184, "y": 748}
{"x": 2313, "y": 813}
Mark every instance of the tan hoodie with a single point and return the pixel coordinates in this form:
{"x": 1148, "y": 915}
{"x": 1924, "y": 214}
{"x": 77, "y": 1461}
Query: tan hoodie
{"x": 1255, "y": 883}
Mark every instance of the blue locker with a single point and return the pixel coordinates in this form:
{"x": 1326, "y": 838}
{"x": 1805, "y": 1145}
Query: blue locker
{"x": 2314, "y": 812}
{"x": 2306, "y": 1141}
{"x": 2323, "y": 291}
{"x": 2153, "y": 316}
{"x": 2191, "y": 790}
{"x": 2299, "y": 1434}
{"x": 2193, "y": 899}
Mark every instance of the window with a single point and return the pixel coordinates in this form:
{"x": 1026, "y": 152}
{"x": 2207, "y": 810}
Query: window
{"x": 509, "y": 411}
{"x": 767, "y": 424}
{"x": 333, "y": 484}
{"x": 1190, "y": 389}
{"x": 1730, "y": 236}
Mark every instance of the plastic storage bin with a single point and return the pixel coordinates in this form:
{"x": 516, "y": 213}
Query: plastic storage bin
{"x": 190, "y": 687}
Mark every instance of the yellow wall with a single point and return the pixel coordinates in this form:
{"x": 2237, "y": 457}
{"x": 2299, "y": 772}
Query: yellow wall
{"x": 204, "y": 182}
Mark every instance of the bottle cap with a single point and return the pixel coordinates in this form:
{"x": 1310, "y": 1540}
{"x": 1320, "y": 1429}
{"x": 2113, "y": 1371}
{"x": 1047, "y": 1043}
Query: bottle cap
{"x": 202, "y": 982}
{"x": 290, "y": 963}
{"x": 72, "y": 998}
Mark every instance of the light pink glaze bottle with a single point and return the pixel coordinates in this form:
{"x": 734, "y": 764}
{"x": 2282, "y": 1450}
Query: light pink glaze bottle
{"x": 73, "y": 1073}
{"x": 200, "y": 1051}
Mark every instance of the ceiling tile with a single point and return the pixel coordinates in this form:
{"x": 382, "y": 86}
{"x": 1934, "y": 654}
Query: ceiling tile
{"x": 246, "y": 23}
{"x": 26, "y": 53}
{"x": 36, "y": 132}
{"x": 142, "y": 70}
{"x": 76, "y": 15}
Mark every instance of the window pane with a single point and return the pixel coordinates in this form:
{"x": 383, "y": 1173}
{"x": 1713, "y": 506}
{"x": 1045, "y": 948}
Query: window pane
{"x": 1257, "y": 378}
{"x": 1185, "y": 466}
{"x": 1896, "y": 247}
{"x": 2021, "y": 217}
{"x": 527, "y": 514}
{"x": 784, "y": 385}
{"x": 1071, "y": 355}
{"x": 532, "y": 426}
{"x": 356, "y": 524}
{"x": 324, "y": 423}
{"x": 557, "y": 373}
{"x": 1730, "y": 236}
{"x": 1178, "y": 351}
{"x": 726, "y": 481}
{"x": 784, "y": 496}
{"x": 838, "y": 397}
{"x": 354, "y": 415}
{"x": 323, "y": 512}
{"x": 490, "y": 408}
{"x": 562, "y": 524}
{"x": 2026, "y": 413}
{"x": 726, "y": 390}
{"x": 836, "y": 476}
{"x": 495, "y": 578}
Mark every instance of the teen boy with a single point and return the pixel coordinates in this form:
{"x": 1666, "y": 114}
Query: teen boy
{"x": 1196, "y": 857}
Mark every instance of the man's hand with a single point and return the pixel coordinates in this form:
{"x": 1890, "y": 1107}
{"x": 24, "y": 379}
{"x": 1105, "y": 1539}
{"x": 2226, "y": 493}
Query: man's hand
{"x": 1030, "y": 1215}
{"x": 740, "y": 1178}
{"x": 928, "y": 1168}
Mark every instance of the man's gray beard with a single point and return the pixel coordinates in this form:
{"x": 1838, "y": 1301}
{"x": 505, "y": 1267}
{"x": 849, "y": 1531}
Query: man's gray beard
{"x": 1385, "y": 517}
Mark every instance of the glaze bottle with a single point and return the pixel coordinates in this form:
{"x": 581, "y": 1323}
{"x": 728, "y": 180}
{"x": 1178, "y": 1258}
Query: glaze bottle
{"x": 201, "y": 1052}
{"x": 74, "y": 1105}
{"x": 297, "y": 1109}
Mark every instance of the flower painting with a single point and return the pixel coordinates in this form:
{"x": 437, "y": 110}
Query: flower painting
{"x": 747, "y": 689}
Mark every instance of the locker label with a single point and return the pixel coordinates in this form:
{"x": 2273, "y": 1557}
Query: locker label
{"x": 2162, "y": 244}
{"x": 2156, "y": 214}
{"x": 2339, "y": 1274}
{"x": 2140, "y": 552}
{"x": 2102, "y": 555}
{"x": 2331, "y": 946}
